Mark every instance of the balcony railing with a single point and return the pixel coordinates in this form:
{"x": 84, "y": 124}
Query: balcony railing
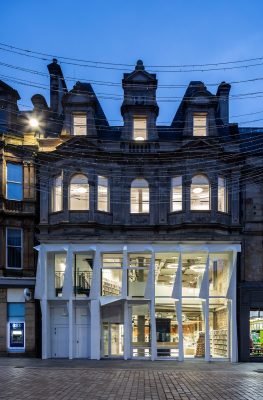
{"x": 82, "y": 283}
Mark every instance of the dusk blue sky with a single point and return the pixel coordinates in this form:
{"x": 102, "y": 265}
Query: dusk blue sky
{"x": 168, "y": 32}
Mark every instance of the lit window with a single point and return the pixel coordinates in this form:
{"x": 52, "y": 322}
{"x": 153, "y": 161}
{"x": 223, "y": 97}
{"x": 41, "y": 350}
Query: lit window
{"x": 139, "y": 196}
{"x": 111, "y": 274}
{"x": 200, "y": 193}
{"x": 60, "y": 266}
{"x": 57, "y": 194}
{"x": 79, "y": 193}
{"x": 139, "y": 128}
{"x": 222, "y": 195}
{"x": 14, "y": 181}
{"x": 200, "y": 124}
{"x": 80, "y": 125}
{"x": 14, "y": 248}
{"x": 103, "y": 194}
{"x": 176, "y": 204}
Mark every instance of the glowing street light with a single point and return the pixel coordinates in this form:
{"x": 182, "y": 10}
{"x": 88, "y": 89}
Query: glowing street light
{"x": 34, "y": 123}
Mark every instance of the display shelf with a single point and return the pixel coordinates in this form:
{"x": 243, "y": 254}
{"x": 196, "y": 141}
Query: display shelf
{"x": 110, "y": 288}
{"x": 219, "y": 343}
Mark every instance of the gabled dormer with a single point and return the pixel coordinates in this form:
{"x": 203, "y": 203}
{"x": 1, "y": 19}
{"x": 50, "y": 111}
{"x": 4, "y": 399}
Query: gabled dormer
{"x": 79, "y": 106}
{"x": 139, "y": 108}
{"x": 198, "y": 113}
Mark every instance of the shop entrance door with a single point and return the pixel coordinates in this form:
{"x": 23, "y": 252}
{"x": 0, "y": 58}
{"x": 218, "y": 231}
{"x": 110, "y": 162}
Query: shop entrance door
{"x": 112, "y": 340}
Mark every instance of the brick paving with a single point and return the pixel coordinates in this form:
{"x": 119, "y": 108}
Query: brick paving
{"x": 35, "y": 379}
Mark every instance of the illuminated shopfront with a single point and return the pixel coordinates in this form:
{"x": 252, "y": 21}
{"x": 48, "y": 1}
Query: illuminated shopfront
{"x": 151, "y": 301}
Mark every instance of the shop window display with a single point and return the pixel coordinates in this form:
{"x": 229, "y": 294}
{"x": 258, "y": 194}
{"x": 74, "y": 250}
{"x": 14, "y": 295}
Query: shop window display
{"x": 219, "y": 328}
{"x": 256, "y": 333}
{"x": 193, "y": 328}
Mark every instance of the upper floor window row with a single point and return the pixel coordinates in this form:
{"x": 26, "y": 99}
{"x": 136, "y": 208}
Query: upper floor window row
{"x": 79, "y": 194}
{"x": 140, "y": 130}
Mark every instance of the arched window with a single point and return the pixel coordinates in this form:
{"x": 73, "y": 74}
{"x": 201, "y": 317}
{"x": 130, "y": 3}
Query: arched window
{"x": 200, "y": 193}
{"x": 139, "y": 196}
{"x": 79, "y": 193}
{"x": 56, "y": 194}
{"x": 222, "y": 194}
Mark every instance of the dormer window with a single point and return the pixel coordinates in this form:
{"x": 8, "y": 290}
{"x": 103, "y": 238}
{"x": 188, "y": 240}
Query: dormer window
{"x": 79, "y": 125}
{"x": 140, "y": 128}
{"x": 200, "y": 124}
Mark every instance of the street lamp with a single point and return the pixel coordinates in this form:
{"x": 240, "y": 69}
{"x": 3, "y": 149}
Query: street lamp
{"x": 34, "y": 123}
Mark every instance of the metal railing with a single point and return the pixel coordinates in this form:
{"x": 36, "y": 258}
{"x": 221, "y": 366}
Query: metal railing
{"x": 82, "y": 282}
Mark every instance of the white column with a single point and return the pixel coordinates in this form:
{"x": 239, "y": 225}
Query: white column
{"x": 231, "y": 295}
{"x": 96, "y": 276}
{"x": 180, "y": 329}
{"x": 71, "y": 328}
{"x": 204, "y": 295}
{"x": 67, "y": 290}
{"x": 124, "y": 289}
{"x": 127, "y": 332}
{"x": 95, "y": 319}
{"x": 151, "y": 294}
{"x": 205, "y": 307}
{"x": 95, "y": 329}
{"x": 46, "y": 345}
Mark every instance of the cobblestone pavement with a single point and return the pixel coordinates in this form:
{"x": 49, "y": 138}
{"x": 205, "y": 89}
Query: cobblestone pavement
{"x": 128, "y": 380}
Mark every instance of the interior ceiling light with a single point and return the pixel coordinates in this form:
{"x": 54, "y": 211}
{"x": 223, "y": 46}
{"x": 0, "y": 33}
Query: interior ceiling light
{"x": 34, "y": 123}
{"x": 198, "y": 190}
{"x": 171, "y": 266}
{"x": 198, "y": 267}
{"x": 79, "y": 190}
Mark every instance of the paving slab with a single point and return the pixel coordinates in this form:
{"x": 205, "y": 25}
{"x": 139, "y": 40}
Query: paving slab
{"x": 23, "y": 378}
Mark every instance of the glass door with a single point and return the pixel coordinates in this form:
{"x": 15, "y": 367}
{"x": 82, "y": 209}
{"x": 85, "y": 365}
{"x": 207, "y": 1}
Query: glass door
{"x": 112, "y": 337}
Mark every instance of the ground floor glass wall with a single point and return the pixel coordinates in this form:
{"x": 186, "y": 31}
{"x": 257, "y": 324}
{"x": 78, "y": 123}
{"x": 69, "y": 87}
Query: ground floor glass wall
{"x": 154, "y": 303}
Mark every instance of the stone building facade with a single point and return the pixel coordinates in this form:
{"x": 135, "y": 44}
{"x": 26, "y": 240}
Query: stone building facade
{"x": 18, "y": 199}
{"x": 149, "y": 236}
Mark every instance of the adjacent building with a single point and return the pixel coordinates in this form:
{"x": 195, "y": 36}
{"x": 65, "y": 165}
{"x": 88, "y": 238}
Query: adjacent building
{"x": 149, "y": 237}
{"x": 18, "y": 207}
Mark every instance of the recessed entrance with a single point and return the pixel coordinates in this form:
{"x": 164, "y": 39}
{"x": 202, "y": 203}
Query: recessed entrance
{"x": 112, "y": 340}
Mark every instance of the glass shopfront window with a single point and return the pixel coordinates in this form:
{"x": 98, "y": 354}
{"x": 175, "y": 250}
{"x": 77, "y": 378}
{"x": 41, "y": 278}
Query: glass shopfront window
{"x": 111, "y": 274}
{"x": 256, "y": 333}
{"x": 193, "y": 268}
{"x": 166, "y": 265}
{"x": 193, "y": 328}
{"x": 219, "y": 328}
{"x": 141, "y": 332}
{"x": 83, "y": 270}
{"x": 219, "y": 274}
{"x": 138, "y": 269}
{"x": 167, "y": 335}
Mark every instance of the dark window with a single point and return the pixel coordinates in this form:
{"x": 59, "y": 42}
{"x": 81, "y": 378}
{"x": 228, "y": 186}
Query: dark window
{"x": 14, "y": 248}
